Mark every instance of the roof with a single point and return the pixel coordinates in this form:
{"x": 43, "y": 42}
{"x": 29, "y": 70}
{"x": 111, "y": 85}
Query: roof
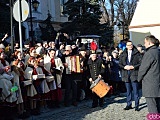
{"x": 146, "y": 18}
{"x": 89, "y": 36}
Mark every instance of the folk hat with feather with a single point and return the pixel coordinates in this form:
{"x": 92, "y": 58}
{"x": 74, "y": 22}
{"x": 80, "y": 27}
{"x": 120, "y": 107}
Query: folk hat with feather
{"x": 93, "y": 47}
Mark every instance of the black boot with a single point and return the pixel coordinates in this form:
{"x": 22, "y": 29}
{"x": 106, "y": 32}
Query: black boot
{"x": 101, "y": 102}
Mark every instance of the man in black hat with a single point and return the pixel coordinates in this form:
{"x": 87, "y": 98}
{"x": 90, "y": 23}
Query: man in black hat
{"x": 96, "y": 70}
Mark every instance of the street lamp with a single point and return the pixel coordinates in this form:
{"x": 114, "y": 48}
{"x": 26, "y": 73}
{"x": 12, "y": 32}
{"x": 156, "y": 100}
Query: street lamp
{"x": 34, "y": 4}
{"x": 123, "y": 25}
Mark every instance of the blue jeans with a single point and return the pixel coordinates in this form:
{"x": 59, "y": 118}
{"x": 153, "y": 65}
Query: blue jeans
{"x": 129, "y": 87}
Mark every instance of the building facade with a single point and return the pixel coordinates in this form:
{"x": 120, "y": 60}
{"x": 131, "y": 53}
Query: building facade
{"x": 52, "y": 7}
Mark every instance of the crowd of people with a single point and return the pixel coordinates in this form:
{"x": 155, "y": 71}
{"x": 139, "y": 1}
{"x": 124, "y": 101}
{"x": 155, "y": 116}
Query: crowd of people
{"x": 39, "y": 74}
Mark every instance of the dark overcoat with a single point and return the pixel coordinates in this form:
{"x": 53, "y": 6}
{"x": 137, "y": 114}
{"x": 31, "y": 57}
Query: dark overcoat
{"x": 96, "y": 68}
{"x": 149, "y": 73}
{"x": 136, "y": 58}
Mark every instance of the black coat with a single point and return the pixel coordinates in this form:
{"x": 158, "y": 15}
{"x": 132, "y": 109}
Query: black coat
{"x": 149, "y": 73}
{"x": 135, "y": 61}
{"x": 96, "y": 68}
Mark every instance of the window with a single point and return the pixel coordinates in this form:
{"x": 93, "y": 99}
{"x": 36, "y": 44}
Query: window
{"x": 62, "y": 2}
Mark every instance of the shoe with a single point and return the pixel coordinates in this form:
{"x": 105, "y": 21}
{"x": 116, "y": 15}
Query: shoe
{"x": 137, "y": 109}
{"x": 21, "y": 116}
{"x": 50, "y": 105}
{"x": 35, "y": 112}
{"x": 127, "y": 108}
{"x": 94, "y": 105}
{"x": 74, "y": 103}
{"x": 66, "y": 104}
{"x": 101, "y": 105}
{"x": 57, "y": 104}
{"x": 24, "y": 115}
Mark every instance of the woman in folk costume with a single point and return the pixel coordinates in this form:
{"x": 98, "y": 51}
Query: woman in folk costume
{"x": 18, "y": 79}
{"x": 31, "y": 91}
{"x": 32, "y": 53}
{"x": 6, "y": 85}
{"x": 3, "y": 62}
{"x": 39, "y": 81}
{"x": 4, "y": 65}
{"x": 18, "y": 73}
{"x": 54, "y": 64}
{"x": 44, "y": 85}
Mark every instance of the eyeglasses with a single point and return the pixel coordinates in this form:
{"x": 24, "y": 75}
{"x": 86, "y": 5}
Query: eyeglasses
{"x": 116, "y": 52}
{"x": 67, "y": 50}
{"x": 129, "y": 45}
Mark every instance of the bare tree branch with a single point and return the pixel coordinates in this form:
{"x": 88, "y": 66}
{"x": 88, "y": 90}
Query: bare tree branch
{"x": 105, "y": 15}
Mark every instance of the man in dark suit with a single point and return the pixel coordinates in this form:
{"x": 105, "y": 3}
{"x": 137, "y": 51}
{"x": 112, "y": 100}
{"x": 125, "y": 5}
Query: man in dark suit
{"x": 149, "y": 74}
{"x": 129, "y": 63}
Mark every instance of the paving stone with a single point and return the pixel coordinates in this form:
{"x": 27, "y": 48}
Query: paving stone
{"x": 112, "y": 110}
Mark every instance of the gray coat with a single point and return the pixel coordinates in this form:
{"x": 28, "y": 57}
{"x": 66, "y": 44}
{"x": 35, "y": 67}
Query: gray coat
{"x": 149, "y": 73}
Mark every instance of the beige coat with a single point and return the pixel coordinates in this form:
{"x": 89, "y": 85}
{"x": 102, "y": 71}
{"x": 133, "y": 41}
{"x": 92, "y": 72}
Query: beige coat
{"x": 16, "y": 81}
{"x": 31, "y": 91}
{"x": 1, "y": 65}
{"x": 44, "y": 84}
{"x": 26, "y": 59}
{"x": 6, "y": 85}
{"x": 59, "y": 66}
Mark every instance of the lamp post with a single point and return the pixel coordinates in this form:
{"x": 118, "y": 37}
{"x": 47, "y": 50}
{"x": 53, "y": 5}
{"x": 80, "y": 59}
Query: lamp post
{"x": 34, "y": 4}
{"x": 123, "y": 25}
{"x": 11, "y": 20}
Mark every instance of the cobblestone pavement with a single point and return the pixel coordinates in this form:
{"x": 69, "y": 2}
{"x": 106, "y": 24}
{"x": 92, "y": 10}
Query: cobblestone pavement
{"x": 113, "y": 110}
